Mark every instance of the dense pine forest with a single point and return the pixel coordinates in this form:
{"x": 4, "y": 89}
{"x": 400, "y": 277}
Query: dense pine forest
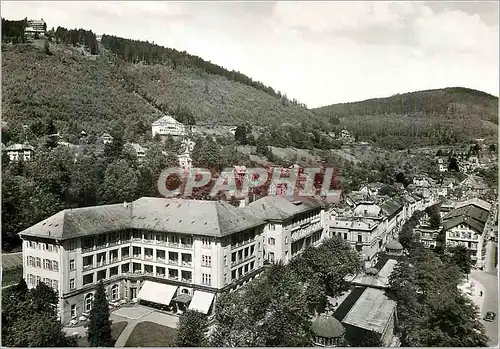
{"x": 122, "y": 84}
{"x": 135, "y": 51}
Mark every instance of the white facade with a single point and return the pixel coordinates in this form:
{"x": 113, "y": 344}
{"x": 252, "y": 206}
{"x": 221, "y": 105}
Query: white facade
{"x": 166, "y": 126}
{"x": 468, "y": 237}
{"x": 125, "y": 258}
{"x": 20, "y": 152}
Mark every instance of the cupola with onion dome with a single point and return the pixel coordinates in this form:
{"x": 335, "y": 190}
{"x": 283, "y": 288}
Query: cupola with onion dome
{"x": 394, "y": 248}
{"x": 328, "y": 331}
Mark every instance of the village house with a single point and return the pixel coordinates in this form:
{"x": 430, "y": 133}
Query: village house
{"x": 20, "y": 152}
{"x": 136, "y": 150}
{"x": 465, "y": 225}
{"x": 106, "y": 138}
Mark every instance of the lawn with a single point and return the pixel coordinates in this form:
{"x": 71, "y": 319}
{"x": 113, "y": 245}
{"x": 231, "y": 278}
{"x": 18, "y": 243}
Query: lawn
{"x": 150, "y": 334}
{"x": 116, "y": 330}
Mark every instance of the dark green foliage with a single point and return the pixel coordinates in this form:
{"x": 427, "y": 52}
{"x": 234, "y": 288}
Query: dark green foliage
{"x": 29, "y": 318}
{"x": 99, "y": 327}
{"x": 492, "y": 148}
{"x": 240, "y": 135}
{"x": 276, "y": 309}
{"x": 192, "y": 329}
{"x": 46, "y": 47}
{"x": 77, "y": 37}
{"x": 425, "y": 316}
{"x": 366, "y": 339}
{"x": 461, "y": 257}
{"x": 140, "y": 51}
{"x": 406, "y": 236}
{"x": 13, "y": 31}
{"x": 453, "y": 165}
{"x": 434, "y": 215}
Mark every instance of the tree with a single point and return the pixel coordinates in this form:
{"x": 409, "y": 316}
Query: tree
{"x": 46, "y": 47}
{"x": 492, "y": 148}
{"x": 99, "y": 328}
{"x": 192, "y": 329}
{"x": 366, "y": 339}
{"x": 120, "y": 183}
{"x": 461, "y": 257}
{"x": 434, "y": 216}
{"x": 29, "y": 318}
{"x": 240, "y": 135}
{"x": 453, "y": 165}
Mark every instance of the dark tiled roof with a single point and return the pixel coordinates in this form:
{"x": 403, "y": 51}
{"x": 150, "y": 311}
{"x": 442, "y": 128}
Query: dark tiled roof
{"x": 280, "y": 208}
{"x": 196, "y": 217}
{"x": 471, "y": 211}
{"x": 391, "y": 206}
{"x": 348, "y": 303}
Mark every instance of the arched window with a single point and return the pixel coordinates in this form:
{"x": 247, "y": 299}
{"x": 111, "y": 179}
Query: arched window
{"x": 114, "y": 292}
{"x": 89, "y": 298}
{"x": 185, "y": 291}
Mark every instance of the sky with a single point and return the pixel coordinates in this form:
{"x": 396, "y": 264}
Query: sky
{"x": 317, "y": 52}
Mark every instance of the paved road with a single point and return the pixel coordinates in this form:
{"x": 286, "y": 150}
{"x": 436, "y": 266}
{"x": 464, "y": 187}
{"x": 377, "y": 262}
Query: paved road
{"x": 489, "y": 281}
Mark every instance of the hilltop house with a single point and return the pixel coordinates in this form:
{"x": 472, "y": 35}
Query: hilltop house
{"x": 168, "y": 126}
{"x": 136, "y": 150}
{"x": 23, "y": 152}
{"x": 106, "y": 138}
{"x": 35, "y": 27}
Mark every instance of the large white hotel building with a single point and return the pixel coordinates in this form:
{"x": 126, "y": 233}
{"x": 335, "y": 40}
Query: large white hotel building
{"x": 175, "y": 253}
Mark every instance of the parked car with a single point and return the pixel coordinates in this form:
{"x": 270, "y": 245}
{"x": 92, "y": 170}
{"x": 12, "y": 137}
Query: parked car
{"x": 490, "y": 316}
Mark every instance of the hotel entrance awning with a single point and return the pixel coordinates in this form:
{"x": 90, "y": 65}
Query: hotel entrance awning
{"x": 157, "y": 293}
{"x": 201, "y": 301}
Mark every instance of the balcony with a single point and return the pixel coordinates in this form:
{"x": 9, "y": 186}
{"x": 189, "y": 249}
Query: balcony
{"x": 148, "y": 257}
{"x": 88, "y": 267}
{"x": 160, "y": 260}
{"x": 173, "y": 262}
{"x": 243, "y": 260}
{"x": 186, "y": 264}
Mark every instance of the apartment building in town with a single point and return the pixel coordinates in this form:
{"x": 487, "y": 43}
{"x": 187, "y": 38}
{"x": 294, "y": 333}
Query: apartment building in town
{"x": 178, "y": 246}
{"x": 174, "y": 253}
{"x": 465, "y": 225}
{"x": 293, "y": 224}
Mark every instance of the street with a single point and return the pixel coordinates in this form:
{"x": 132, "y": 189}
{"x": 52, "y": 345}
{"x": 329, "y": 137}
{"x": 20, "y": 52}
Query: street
{"x": 489, "y": 281}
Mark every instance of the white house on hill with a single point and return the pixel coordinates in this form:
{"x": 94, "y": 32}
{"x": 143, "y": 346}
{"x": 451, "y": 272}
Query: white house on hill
{"x": 166, "y": 126}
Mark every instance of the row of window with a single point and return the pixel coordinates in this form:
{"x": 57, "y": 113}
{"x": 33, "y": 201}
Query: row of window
{"x": 237, "y": 273}
{"x": 42, "y": 246}
{"x": 48, "y": 264}
{"x": 136, "y": 268}
{"x": 34, "y": 280}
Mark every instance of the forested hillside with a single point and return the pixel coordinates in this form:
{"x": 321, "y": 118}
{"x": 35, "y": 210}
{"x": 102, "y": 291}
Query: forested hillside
{"x": 443, "y": 116}
{"x": 122, "y": 85}
{"x": 105, "y": 93}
